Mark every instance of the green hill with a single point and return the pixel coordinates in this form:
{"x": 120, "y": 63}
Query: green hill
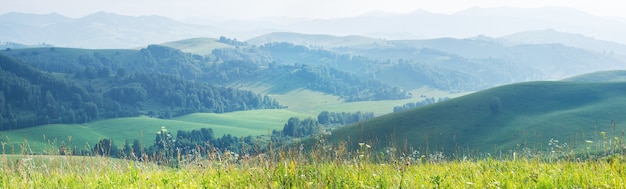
{"x": 602, "y": 76}
{"x": 503, "y": 118}
{"x": 201, "y": 46}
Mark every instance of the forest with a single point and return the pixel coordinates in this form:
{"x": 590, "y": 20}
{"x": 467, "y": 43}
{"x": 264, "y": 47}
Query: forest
{"x": 31, "y": 97}
{"x": 62, "y": 85}
{"x": 323, "y": 71}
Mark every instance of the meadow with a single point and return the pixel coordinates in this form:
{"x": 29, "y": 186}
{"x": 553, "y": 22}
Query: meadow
{"x": 254, "y": 122}
{"x": 200, "y": 46}
{"x": 316, "y": 168}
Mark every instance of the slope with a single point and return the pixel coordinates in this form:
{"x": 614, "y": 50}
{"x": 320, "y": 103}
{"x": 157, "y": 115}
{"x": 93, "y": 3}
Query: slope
{"x": 511, "y": 117}
{"x": 603, "y": 76}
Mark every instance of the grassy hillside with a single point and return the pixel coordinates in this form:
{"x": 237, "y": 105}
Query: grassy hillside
{"x": 503, "y": 118}
{"x": 255, "y": 122}
{"x": 297, "y": 99}
{"x": 602, "y": 76}
{"x": 201, "y": 46}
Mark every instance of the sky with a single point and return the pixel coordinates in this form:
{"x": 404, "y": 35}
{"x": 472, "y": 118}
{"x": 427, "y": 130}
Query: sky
{"x": 315, "y": 9}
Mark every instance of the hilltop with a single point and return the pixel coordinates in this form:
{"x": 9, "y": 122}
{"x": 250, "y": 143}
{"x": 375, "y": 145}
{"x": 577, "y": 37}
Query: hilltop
{"x": 603, "y": 76}
{"x": 199, "y": 46}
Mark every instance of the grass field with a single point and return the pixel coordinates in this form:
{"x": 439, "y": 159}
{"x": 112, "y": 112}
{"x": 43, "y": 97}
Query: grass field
{"x": 313, "y": 102}
{"x": 299, "y": 170}
{"x": 255, "y": 122}
{"x": 200, "y": 46}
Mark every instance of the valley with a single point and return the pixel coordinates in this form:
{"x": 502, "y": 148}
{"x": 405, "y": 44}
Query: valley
{"x": 483, "y": 97}
{"x": 279, "y": 80}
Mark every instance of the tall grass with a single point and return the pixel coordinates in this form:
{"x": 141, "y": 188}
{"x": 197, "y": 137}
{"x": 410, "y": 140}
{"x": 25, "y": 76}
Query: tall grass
{"x": 324, "y": 165}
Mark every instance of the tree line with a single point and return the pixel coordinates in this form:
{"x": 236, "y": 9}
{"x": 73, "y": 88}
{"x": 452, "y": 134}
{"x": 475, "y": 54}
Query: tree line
{"x": 424, "y": 102}
{"x": 296, "y": 127}
{"x": 167, "y": 147}
{"x": 201, "y": 142}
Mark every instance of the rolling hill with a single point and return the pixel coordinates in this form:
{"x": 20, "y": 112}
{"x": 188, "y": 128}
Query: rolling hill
{"x": 603, "y": 76}
{"x": 511, "y": 117}
{"x": 199, "y": 46}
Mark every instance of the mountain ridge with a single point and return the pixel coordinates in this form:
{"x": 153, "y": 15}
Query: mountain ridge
{"x": 463, "y": 24}
{"x": 99, "y": 30}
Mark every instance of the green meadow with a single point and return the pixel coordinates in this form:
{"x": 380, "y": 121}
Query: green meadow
{"x": 290, "y": 169}
{"x": 254, "y": 122}
{"x": 201, "y": 46}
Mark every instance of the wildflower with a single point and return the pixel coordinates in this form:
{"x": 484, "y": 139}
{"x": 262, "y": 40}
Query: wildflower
{"x": 368, "y": 146}
{"x": 361, "y": 144}
{"x": 588, "y": 141}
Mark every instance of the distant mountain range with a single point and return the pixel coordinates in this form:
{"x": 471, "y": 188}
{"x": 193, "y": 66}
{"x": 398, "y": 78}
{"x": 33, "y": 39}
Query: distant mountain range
{"x": 106, "y": 30}
{"x": 99, "y": 30}
{"x": 569, "y": 39}
{"x": 533, "y": 55}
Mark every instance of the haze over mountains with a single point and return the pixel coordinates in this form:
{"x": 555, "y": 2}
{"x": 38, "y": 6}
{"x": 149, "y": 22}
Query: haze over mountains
{"x": 106, "y": 30}
{"x": 126, "y": 66}
{"x": 98, "y": 30}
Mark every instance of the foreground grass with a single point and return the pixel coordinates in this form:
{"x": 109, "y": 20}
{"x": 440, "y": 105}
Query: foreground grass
{"x": 300, "y": 172}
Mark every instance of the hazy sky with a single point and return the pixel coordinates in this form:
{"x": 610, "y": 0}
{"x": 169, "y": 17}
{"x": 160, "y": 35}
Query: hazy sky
{"x": 247, "y": 9}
